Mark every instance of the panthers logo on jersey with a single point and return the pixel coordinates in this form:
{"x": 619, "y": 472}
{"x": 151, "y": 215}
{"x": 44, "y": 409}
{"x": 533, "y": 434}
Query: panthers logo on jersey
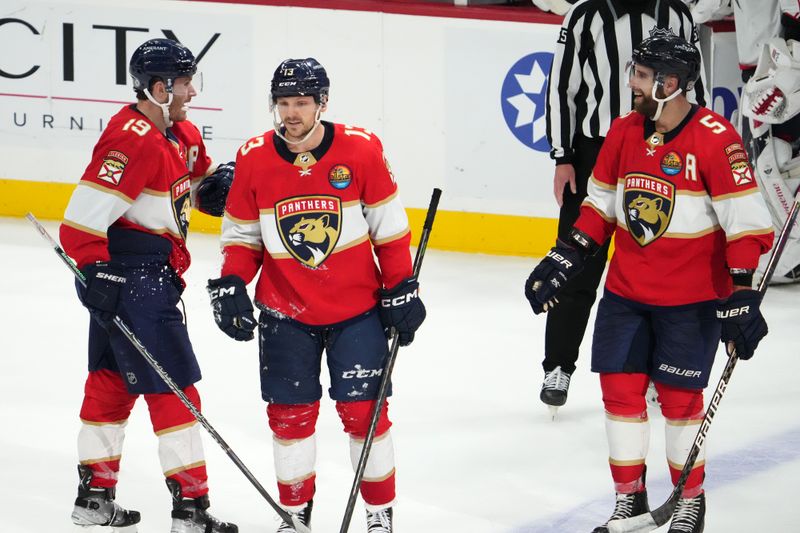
{"x": 182, "y": 207}
{"x": 648, "y": 202}
{"x": 309, "y": 227}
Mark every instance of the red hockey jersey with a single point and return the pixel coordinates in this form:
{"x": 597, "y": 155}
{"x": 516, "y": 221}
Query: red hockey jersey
{"x": 310, "y": 222}
{"x": 684, "y": 207}
{"x": 138, "y": 178}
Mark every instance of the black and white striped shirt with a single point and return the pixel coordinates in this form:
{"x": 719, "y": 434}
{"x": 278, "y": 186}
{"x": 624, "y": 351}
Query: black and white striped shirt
{"x": 587, "y": 87}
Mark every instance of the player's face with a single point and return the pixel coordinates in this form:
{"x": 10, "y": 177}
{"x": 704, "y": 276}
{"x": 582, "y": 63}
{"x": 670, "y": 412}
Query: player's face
{"x": 182, "y": 93}
{"x": 298, "y": 114}
{"x": 641, "y": 82}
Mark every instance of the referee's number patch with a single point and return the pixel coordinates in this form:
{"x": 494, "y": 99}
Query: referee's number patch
{"x": 562, "y": 36}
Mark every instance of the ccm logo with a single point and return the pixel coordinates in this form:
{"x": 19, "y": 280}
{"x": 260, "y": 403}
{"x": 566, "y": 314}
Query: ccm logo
{"x": 362, "y": 373}
{"x": 680, "y": 371}
{"x": 730, "y": 313}
{"x": 110, "y": 277}
{"x": 222, "y": 291}
{"x": 398, "y": 300}
{"x": 560, "y": 259}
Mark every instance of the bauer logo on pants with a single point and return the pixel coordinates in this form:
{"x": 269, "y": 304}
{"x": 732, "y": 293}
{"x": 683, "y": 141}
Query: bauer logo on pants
{"x": 309, "y": 227}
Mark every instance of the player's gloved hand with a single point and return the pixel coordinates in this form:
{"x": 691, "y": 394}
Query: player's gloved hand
{"x": 400, "y": 308}
{"x": 562, "y": 263}
{"x": 233, "y": 310}
{"x": 104, "y": 284}
{"x": 213, "y": 190}
{"x": 743, "y": 326}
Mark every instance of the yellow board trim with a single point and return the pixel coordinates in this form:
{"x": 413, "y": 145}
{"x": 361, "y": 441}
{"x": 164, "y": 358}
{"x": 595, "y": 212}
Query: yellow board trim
{"x": 455, "y": 231}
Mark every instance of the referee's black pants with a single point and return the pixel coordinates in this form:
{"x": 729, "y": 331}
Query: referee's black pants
{"x": 566, "y": 322}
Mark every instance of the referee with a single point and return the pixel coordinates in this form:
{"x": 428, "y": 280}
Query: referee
{"x": 587, "y": 89}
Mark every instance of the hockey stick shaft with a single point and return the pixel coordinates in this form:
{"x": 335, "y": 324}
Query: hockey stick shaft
{"x": 662, "y": 515}
{"x": 387, "y": 370}
{"x": 123, "y": 327}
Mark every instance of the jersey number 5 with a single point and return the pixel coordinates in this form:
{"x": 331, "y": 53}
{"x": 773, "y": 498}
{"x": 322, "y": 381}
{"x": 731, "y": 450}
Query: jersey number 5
{"x": 709, "y": 122}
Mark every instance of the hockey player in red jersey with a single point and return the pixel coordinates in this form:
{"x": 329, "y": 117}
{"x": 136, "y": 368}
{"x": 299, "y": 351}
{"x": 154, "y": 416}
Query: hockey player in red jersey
{"x": 125, "y": 226}
{"x": 311, "y": 203}
{"x": 673, "y": 185}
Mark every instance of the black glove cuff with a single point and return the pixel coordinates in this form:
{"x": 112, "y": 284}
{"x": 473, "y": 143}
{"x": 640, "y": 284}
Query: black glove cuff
{"x": 582, "y": 242}
{"x": 742, "y": 277}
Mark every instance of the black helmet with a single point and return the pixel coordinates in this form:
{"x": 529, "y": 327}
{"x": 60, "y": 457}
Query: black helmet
{"x": 300, "y": 77}
{"x": 160, "y": 60}
{"x": 666, "y": 53}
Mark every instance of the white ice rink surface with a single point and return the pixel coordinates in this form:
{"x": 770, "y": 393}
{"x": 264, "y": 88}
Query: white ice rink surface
{"x": 476, "y": 450}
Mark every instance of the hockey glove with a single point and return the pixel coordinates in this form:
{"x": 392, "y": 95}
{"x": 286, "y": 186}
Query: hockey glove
{"x": 563, "y": 262}
{"x": 213, "y": 190}
{"x": 743, "y": 326}
{"x": 233, "y": 310}
{"x": 104, "y": 285}
{"x": 402, "y": 310}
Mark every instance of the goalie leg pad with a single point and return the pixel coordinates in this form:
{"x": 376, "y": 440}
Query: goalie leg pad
{"x": 104, "y": 415}
{"x": 627, "y": 428}
{"x": 683, "y": 411}
{"x": 180, "y": 447}
{"x": 294, "y": 449}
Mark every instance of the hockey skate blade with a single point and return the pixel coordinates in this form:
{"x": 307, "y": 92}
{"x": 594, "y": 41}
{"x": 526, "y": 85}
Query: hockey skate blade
{"x": 299, "y": 526}
{"x": 553, "y": 412}
{"x": 635, "y": 524}
{"x": 105, "y": 529}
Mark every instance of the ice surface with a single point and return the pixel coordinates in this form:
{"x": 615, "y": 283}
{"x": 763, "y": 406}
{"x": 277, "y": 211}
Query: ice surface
{"x": 476, "y": 450}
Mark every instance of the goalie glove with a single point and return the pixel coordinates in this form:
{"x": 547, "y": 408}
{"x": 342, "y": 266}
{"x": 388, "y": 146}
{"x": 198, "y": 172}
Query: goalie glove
{"x": 233, "y": 310}
{"x": 743, "y": 326}
{"x": 772, "y": 95}
{"x": 212, "y": 193}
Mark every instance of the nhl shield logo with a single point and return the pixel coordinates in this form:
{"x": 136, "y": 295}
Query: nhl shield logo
{"x": 649, "y": 202}
{"x": 309, "y": 227}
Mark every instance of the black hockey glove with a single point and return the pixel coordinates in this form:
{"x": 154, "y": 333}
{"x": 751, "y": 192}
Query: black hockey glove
{"x": 233, "y": 310}
{"x": 213, "y": 190}
{"x": 742, "y": 322}
{"x": 400, "y": 308}
{"x": 563, "y": 262}
{"x": 104, "y": 284}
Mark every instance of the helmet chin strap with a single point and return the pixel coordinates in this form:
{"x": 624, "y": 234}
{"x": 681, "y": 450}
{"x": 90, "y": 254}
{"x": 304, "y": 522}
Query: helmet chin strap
{"x": 276, "y": 121}
{"x": 164, "y": 107}
{"x": 662, "y": 101}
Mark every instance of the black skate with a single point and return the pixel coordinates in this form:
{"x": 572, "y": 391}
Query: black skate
{"x": 189, "y": 514}
{"x": 95, "y": 506}
{"x": 380, "y": 521}
{"x": 689, "y": 515}
{"x": 304, "y": 515}
{"x": 554, "y": 389}
{"x": 627, "y": 505}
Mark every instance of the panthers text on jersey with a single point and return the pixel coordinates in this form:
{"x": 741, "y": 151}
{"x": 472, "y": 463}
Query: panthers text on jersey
{"x": 137, "y": 179}
{"x": 311, "y": 220}
{"x": 684, "y": 207}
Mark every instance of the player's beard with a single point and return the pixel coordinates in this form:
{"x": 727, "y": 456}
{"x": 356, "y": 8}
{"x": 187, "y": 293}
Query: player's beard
{"x": 645, "y": 105}
{"x": 178, "y": 111}
{"x": 304, "y": 130}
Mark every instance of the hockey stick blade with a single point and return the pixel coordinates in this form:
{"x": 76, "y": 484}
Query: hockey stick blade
{"x": 154, "y": 364}
{"x": 655, "y": 519}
